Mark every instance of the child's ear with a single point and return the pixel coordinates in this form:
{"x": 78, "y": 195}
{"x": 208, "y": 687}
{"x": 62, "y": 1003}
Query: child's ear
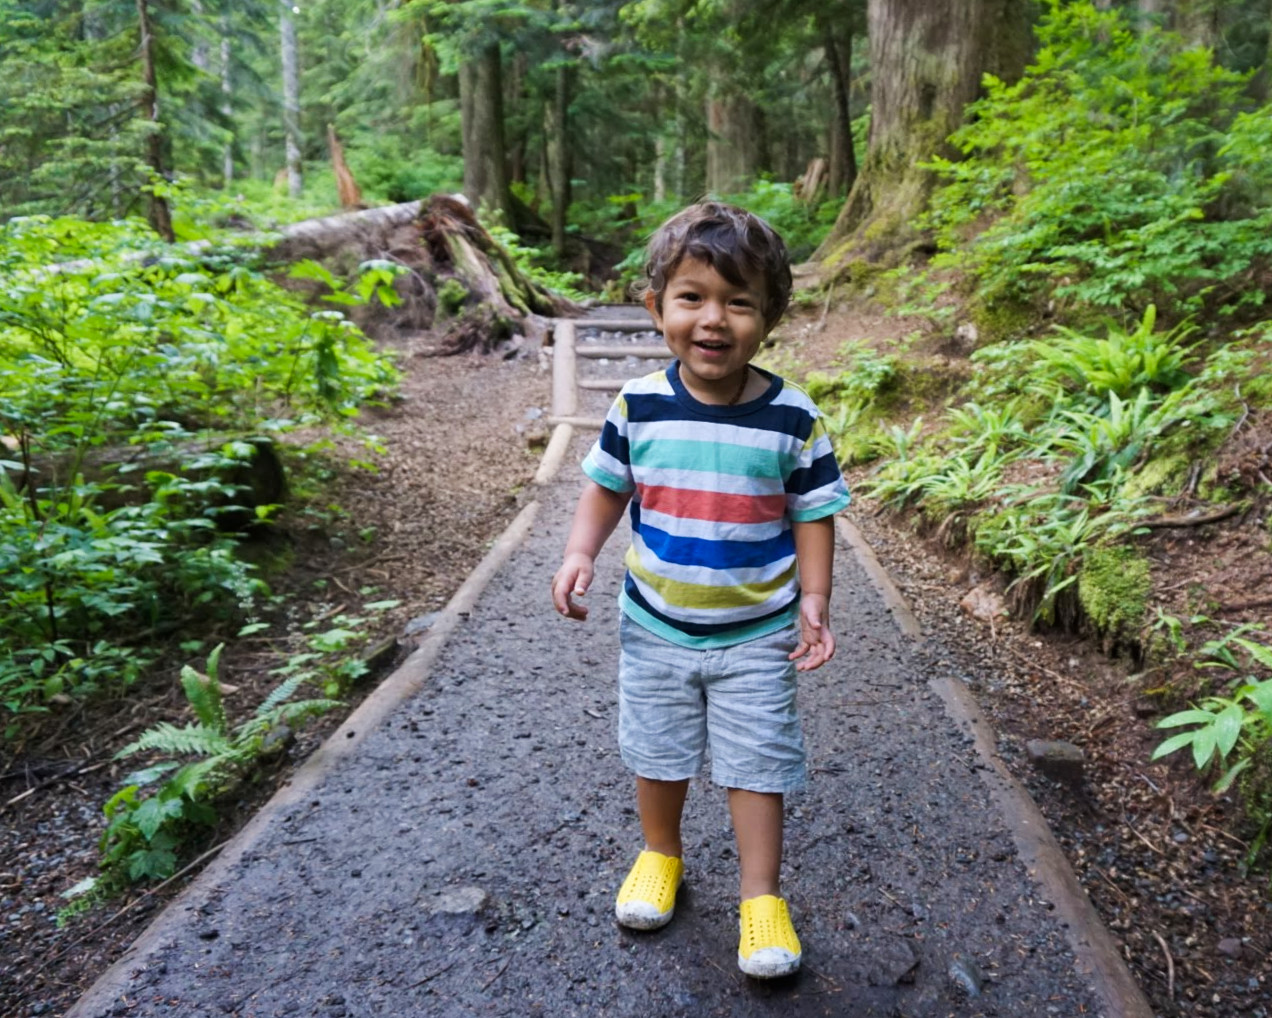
{"x": 651, "y": 305}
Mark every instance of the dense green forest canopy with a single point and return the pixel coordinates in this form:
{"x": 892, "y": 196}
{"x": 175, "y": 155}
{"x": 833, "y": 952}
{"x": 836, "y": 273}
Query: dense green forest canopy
{"x": 641, "y": 96}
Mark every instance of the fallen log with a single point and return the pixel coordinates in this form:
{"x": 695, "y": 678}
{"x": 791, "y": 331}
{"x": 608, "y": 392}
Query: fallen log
{"x": 462, "y": 288}
{"x": 321, "y": 239}
{"x": 500, "y": 298}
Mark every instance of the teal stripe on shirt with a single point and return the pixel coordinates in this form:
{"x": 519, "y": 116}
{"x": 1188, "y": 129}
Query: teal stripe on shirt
{"x": 741, "y": 634}
{"x": 604, "y": 478}
{"x": 719, "y": 457}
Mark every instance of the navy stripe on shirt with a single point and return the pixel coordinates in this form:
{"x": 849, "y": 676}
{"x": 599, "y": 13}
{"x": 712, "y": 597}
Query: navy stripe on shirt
{"x": 647, "y": 408}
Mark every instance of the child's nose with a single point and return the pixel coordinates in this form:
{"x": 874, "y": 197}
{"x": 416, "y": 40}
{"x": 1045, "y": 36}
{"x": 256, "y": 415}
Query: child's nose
{"x": 713, "y": 313}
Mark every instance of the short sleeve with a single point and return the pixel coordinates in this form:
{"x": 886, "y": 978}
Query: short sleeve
{"x": 816, "y": 487}
{"x": 608, "y": 463}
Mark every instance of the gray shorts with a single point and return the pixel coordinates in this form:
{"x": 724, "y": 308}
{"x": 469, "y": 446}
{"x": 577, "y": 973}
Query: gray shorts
{"x": 673, "y": 701}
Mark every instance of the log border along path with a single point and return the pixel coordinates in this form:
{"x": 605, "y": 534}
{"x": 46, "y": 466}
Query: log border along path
{"x": 454, "y": 846}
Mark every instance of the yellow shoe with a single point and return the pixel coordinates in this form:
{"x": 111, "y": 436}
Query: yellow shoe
{"x": 647, "y": 898}
{"x": 769, "y": 947}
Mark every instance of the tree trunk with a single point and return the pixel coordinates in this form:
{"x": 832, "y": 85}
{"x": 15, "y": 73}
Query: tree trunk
{"x": 291, "y": 99}
{"x": 926, "y": 64}
{"x": 227, "y": 102}
{"x": 514, "y": 96}
{"x": 557, "y": 154}
{"x": 157, "y": 205}
{"x": 482, "y": 128}
{"x": 200, "y": 56}
{"x": 843, "y": 157}
{"x": 660, "y": 168}
{"x": 733, "y": 140}
{"x": 658, "y": 99}
{"x": 1198, "y": 22}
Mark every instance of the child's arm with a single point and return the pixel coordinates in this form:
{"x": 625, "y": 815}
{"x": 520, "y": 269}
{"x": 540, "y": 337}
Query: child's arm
{"x": 598, "y": 513}
{"x": 815, "y": 553}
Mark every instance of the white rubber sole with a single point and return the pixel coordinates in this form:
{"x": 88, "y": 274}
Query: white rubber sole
{"x": 770, "y": 963}
{"x": 641, "y": 915}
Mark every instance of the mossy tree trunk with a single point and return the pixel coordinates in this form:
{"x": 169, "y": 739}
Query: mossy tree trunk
{"x": 1198, "y": 22}
{"x": 557, "y": 152}
{"x": 289, "y": 53}
{"x": 927, "y": 61}
{"x": 735, "y": 126}
{"x": 734, "y": 139}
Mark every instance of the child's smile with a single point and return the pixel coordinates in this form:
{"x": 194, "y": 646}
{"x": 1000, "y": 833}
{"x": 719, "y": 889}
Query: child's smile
{"x": 714, "y": 328}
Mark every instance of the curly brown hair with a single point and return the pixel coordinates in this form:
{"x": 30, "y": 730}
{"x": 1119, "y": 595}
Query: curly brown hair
{"x": 739, "y": 245}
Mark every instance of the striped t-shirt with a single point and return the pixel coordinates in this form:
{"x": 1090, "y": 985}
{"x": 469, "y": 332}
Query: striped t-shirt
{"x": 715, "y": 490}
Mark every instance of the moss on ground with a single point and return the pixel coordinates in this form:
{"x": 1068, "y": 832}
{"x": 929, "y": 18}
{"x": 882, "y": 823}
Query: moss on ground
{"x": 999, "y": 321}
{"x": 1113, "y": 587}
{"x": 1159, "y": 474}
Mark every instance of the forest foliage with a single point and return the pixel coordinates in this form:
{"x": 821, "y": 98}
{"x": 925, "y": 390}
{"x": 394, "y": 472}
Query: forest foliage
{"x": 134, "y": 386}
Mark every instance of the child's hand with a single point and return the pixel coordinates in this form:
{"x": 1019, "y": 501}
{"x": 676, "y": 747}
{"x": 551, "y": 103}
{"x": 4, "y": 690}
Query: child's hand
{"x": 816, "y": 641}
{"x": 571, "y": 581}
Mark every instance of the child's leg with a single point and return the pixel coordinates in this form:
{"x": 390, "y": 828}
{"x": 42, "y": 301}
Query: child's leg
{"x": 757, "y": 824}
{"x": 647, "y": 898}
{"x": 768, "y": 946}
{"x": 660, "y": 804}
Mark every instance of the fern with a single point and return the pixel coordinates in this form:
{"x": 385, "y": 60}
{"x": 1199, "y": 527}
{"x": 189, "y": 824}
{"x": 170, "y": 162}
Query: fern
{"x": 204, "y": 692}
{"x": 143, "y": 834}
{"x": 192, "y": 780}
{"x": 283, "y": 692}
{"x": 190, "y": 740}
{"x": 302, "y": 710}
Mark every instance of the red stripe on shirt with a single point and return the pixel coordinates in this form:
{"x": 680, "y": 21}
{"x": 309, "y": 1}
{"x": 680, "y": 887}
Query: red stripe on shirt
{"x": 716, "y": 506}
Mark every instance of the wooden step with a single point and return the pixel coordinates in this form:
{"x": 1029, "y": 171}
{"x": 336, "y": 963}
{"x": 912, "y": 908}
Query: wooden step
{"x": 602, "y": 384}
{"x": 615, "y": 324}
{"x": 618, "y": 351}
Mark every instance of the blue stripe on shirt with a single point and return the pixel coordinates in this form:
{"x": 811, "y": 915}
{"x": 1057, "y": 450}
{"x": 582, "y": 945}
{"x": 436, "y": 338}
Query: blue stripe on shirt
{"x": 614, "y": 443}
{"x": 698, "y": 551}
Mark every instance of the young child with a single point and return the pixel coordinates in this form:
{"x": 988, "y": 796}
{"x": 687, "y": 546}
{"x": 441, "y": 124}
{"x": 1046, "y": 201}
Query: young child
{"x": 732, "y": 484}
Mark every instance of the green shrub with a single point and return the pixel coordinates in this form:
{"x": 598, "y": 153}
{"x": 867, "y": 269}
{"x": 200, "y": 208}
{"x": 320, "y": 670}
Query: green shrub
{"x": 1237, "y": 726}
{"x": 1121, "y": 364}
{"x": 111, "y": 342}
{"x": 1118, "y": 172}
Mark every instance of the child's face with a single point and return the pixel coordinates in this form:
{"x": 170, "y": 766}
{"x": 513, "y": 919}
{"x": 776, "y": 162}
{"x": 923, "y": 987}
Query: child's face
{"x": 712, "y": 326}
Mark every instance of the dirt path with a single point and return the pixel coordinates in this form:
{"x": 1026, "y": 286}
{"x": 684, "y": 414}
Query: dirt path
{"x": 464, "y": 859}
